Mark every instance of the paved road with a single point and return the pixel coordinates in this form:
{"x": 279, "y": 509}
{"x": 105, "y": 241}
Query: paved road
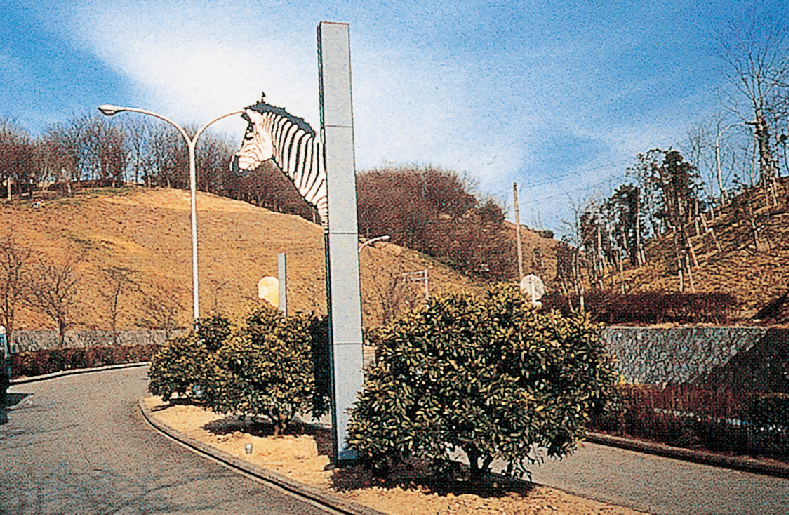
{"x": 663, "y": 486}
{"x": 78, "y": 445}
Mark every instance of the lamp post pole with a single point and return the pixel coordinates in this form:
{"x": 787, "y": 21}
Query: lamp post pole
{"x": 191, "y": 143}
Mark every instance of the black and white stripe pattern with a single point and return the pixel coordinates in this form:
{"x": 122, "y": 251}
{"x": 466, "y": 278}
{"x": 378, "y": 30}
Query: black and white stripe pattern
{"x": 290, "y": 142}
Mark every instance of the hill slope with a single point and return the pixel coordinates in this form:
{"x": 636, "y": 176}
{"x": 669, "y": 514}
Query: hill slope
{"x": 141, "y": 239}
{"x": 757, "y": 275}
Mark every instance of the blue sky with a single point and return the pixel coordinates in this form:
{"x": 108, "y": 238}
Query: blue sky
{"x": 558, "y": 96}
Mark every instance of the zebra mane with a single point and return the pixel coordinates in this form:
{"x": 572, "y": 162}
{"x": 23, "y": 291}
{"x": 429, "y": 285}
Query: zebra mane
{"x": 262, "y": 107}
{"x": 298, "y": 153}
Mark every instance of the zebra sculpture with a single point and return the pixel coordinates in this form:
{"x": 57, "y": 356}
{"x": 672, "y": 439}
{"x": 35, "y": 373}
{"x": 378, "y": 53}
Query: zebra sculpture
{"x": 273, "y": 133}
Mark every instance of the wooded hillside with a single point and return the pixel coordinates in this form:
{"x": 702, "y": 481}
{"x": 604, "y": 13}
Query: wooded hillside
{"x": 740, "y": 248}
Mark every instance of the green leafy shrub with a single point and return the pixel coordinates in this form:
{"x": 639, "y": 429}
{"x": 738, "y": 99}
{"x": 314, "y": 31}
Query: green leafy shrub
{"x": 213, "y": 331}
{"x": 265, "y": 369}
{"x": 321, "y": 365}
{"x": 180, "y": 364}
{"x": 490, "y": 376}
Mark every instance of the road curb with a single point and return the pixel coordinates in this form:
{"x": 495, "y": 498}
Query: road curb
{"x": 23, "y": 380}
{"x": 315, "y": 494}
{"x": 704, "y": 458}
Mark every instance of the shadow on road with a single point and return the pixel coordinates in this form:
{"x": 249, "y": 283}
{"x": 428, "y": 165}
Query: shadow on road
{"x": 11, "y": 399}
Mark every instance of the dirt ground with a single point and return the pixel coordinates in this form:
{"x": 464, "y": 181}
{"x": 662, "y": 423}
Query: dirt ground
{"x": 304, "y": 455}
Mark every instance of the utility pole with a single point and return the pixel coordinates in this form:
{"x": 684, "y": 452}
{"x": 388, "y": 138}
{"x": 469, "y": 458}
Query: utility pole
{"x": 518, "y": 231}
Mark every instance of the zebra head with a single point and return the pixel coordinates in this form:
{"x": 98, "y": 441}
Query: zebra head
{"x": 257, "y": 146}
{"x": 289, "y": 141}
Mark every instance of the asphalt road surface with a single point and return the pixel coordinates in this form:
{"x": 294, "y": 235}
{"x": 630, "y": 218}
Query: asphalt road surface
{"x": 78, "y": 445}
{"x": 664, "y": 486}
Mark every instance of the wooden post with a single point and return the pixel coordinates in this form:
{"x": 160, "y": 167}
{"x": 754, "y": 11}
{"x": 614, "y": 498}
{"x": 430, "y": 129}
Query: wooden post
{"x": 518, "y": 231}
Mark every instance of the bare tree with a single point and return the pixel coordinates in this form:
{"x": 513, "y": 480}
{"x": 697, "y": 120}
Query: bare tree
{"x": 217, "y": 285}
{"x": 59, "y": 153}
{"x": 758, "y": 65}
{"x": 212, "y": 161}
{"x": 112, "y": 153}
{"x": 169, "y": 158}
{"x": 54, "y": 290}
{"x": 392, "y": 291}
{"x": 434, "y": 211}
{"x": 138, "y": 131}
{"x": 593, "y": 240}
{"x": 120, "y": 281}
{"x": 14, "y": 279}
{"x": 17, "y": 156}
{"x": 162, "y": 308}
{"x": 570, "y": 258}
{"x": 102, "y": 153}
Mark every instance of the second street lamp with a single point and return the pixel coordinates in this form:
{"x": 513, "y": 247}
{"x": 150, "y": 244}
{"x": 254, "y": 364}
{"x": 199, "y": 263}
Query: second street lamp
{"x": 370, "y": 242}
{"x": 111, "y": 110}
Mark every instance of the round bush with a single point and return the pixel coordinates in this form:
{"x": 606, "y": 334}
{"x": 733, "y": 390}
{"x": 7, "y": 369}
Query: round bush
{"x": 265, "y": 369}
{"x": 180, "y": 364}
{"x": 490, "y": 376}
{"x": 213, "y": 331}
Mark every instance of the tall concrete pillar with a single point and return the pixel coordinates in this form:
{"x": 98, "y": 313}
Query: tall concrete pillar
{"x": 342, "y": 261}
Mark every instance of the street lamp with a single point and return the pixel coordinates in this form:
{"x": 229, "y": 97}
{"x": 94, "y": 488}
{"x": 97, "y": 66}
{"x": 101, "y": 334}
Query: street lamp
{"x": 370, "y": 242}
{"x": 111, "y": 110}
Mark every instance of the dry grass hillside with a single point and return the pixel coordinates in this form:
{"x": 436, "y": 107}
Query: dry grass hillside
{"x": 143, "y": 237}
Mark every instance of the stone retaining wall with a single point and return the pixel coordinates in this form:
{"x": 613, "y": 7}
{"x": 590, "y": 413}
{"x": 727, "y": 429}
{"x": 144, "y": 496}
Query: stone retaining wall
{"x": 28, "y": 341}
{"x": 732, "y": 357}
{"x": 742, "y": 357}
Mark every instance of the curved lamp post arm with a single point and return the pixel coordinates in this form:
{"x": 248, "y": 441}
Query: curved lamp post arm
{"x": 204, "y": 127}
{"x": 370, "y": 242}
{"x": 111, "y": 110}
{"x": 191, "y": 143}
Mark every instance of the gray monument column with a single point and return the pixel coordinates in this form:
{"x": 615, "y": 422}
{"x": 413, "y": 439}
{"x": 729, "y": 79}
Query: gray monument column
{"x": 342, "y": 256}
